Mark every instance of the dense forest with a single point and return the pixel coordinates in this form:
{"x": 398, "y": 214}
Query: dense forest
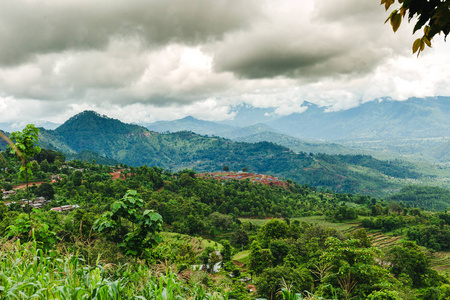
{"x": 103, "y": 231}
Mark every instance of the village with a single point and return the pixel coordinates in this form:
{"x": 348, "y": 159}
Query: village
{"x": 253, "y": 177}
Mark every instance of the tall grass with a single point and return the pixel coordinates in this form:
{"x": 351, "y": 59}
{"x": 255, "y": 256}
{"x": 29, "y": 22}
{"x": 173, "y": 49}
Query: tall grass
{"x": 27, "y": 272}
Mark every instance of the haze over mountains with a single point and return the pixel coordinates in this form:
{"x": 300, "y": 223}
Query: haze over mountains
{"x": 416, "y": 127}
{"x": 136, "y": 145}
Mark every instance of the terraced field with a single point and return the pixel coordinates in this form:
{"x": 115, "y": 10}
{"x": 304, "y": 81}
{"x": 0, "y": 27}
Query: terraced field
{"x": 440, "y": 261}
{"x": 384, "y": 241}
{"x": 313, "y": 220}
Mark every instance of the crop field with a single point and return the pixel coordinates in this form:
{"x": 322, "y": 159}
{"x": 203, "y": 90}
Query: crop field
{"x": 313, "y": 220}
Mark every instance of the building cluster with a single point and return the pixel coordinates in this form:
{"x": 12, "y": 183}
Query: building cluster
{"x": 7, "y": 194}
{"x": 36, "y": 203}
{"x": 65, "y": 208}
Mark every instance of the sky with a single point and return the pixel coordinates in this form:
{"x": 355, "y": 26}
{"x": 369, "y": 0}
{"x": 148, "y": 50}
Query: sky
{"x": 147, "y": 60}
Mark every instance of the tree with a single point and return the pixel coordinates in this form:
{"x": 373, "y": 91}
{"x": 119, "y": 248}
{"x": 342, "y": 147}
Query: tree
{"x": 45, "y": 190}
{"x": 270, "y": 281}
{"x": 145, "y": 224}
{"x": 274, "y": 229}
{"x": 225, "y": 168}
{"x": 433, "y": 16}
{"x": 260, "y": 259}
{"x": 25, "y": 146}
{"x": 408, "y": 260}
{"x": 354, "y": 269}
{"x": 226, "y": 252}
{"x": 239, "y": 238}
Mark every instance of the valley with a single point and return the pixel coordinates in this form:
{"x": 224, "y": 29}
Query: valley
{"x": 192, "y": 215}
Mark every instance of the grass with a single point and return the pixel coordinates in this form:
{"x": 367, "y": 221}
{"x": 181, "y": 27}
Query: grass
{"x": 197, "y": 243}
{"x": 243, "y": 257}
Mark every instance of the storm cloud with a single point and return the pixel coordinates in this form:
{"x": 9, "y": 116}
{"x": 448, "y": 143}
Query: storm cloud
{"x": 30, "y": 28}
{"x": 168, "y": 59}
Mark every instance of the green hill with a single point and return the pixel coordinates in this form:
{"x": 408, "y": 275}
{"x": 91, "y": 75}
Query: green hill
{"x": 425, "y": 197}
{"x": 135, "y": 145}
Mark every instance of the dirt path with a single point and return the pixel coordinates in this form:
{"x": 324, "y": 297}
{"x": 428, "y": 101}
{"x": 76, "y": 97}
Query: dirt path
{"x": 30, "y": 184}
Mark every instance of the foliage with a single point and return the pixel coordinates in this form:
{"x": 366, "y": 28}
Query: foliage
{"x": 27, "y": 143}
{"x": 145, "y": 225}
{"x": 432, "y": 16}
{"x": 328, "y": 263}
{"x": 384, "y": 295}
{"x": 134, "y": 145}
{"x": 30, "y": 273}
{"x": 426, "y": 197}
{"x": 354, "y": 269}
{"x": 37, "y": 230}
{"x": 410, "y": 261}
{"x": 270, "y": 280}
{"x": 433, "y": 237}
{"x": 274, "y": 229}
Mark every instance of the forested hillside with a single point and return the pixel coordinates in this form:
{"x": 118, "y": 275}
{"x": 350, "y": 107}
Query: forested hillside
{"x": 144, "y": 232}
{"x": 135, "y": 145}
{"x": 426, "y": 197}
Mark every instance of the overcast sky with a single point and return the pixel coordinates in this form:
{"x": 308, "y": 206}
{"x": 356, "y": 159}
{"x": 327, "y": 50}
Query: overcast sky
{"x": 149, "y": 60}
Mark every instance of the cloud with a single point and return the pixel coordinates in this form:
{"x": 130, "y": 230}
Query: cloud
{"x": 310, "y": 41}
{"x": 169, "y": 59}
{"x": 31, "y": 27}
{"x": 125, "y": 72}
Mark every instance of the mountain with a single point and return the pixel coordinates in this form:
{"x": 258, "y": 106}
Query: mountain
{"x": 190, "y": 124}
{"x": 246, "y": 115}
{"x": 136, "y": 145}
{"x": 415, "y": 129}
{"x": 251, "y": 134}
{"x": 87, "y": 155}
{"x": 242, "y": 132}
{"x": 296, "y": 144}
{"x": 425, "y": 197}
{"x": 441, "y": 153}
{"x": 384, "y": 119}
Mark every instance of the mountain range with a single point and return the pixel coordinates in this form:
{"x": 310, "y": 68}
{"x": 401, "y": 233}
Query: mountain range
{"x": 416, "y": 128}
{"x": 136, "y": 145}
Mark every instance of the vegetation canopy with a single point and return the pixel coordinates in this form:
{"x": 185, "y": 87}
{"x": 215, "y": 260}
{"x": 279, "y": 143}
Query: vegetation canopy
{"x": 431, "y": 16}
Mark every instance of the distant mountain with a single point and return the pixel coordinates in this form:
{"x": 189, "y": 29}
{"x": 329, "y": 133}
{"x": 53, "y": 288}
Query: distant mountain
{"x": 10, "y": 127}
{"x": 255, "y": 133}
{"x": 441, "y": 153}
{"x": 190, "y": 124}
{"x": 246, "y": 115}
{"x": 296, "y": 144}
{"x": 242, "y": 132}
{"x": 135, "y": 145}
{"x": 384, "y": 119}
